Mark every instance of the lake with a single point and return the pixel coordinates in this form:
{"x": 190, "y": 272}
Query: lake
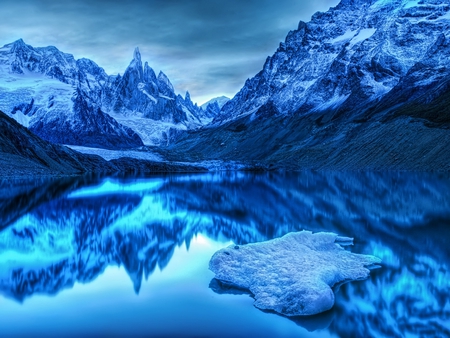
{"x": 128, "y": 256}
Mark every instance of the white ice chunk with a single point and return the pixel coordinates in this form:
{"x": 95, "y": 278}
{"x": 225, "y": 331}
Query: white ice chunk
{"x": 292, "y": 275}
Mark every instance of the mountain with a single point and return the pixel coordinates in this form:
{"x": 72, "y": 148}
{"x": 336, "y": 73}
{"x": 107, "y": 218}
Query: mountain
{"x": 75, "y": 102}
{"x": 348, "y": 59}
{"x": 57, "y": 97}
{"x": 221, "y": 100}
{"x": 364, "y": 85}
{"x": 148, "y": 104}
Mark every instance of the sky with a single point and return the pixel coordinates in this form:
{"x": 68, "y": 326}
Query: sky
{"x": 208, "y": 47}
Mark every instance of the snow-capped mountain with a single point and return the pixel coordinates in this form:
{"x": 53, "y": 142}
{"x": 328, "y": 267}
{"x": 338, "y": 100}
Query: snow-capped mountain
{"x": 57, "y": 97}
{"x": 364, "y": 85}
{"x": 350, "y": 57}
{"x": 148, "y": 104}
{"x": 75, "y": 102}
{"x": 221, "y": 100}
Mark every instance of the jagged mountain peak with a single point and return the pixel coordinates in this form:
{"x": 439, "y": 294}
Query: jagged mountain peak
{"x": 148, "y": 104}
{"x": 18, "y": 43}
{"x": 137, "y": 54}
{"x": 149, "y": 73}
{"x": 164, "y": 79}
{"x": 135, "y": 66}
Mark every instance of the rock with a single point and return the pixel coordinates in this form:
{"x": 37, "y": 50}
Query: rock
{"x": 292, "y": 275}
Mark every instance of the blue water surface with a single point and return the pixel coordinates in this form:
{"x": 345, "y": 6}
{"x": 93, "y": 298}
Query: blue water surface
{"x": 128, "y": 256}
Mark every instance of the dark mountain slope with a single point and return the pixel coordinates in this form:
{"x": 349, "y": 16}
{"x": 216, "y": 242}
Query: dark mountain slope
{"x": 390, "y": 142}
{"x": 22, "y": 153}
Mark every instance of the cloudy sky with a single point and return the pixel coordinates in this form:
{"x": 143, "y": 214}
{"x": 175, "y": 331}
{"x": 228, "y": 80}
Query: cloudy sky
{"x": 209, "y": 47}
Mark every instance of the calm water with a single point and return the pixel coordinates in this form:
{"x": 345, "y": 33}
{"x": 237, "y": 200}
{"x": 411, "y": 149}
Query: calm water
{"x": 129, "y": 256}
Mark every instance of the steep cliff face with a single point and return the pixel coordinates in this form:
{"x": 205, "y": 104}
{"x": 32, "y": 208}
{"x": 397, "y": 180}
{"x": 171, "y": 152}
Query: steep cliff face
{"x": 362, "y": 86}
{"x": 24, "y": 153}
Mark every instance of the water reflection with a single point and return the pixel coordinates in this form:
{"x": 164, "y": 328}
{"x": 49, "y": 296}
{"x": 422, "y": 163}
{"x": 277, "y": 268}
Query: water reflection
{"x": 56, "y": 233}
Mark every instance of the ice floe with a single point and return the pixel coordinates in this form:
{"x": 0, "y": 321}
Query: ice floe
{"x": 292, "y": 275}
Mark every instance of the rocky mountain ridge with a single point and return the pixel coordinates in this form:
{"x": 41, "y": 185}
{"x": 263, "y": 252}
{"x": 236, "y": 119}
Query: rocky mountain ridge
{"x": 350, "y": 57}
{"x": 364, "y": 85}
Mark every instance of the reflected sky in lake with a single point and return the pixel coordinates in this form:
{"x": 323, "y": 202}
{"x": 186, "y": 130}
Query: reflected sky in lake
{"x": 129, "y": 256}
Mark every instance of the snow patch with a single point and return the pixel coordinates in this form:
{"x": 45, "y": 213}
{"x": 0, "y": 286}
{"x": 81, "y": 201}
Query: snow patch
{"x": 165, "y": 97}
{"x": 150, "y": 131}
{"x": 115, "y": 154}
{"x": 24, "y": 120}
{"x": 150, "y": 96}
{"x": 348, "y": 35}
{"x": 363, "y": 34}
{"x": 332, "y": 103}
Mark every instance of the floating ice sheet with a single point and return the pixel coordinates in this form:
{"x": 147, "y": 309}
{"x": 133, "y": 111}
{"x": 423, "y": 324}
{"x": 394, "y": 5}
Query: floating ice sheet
{"x": 292, "y": 275}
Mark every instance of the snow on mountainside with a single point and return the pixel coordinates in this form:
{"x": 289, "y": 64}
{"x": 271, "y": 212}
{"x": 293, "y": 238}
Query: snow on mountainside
{"x": 56, "y": 97}
{"x": 348, "y": 57}
{"x": 40, "y": 88}
{"x": 365, "y": 85}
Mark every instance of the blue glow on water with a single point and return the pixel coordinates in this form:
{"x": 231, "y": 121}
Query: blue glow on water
{"x": 109, "y": 186}
{"x": 129, "y": 256}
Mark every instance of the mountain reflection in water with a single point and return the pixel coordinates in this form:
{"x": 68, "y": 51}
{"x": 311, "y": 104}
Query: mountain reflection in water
{"x": 61, "y": 232}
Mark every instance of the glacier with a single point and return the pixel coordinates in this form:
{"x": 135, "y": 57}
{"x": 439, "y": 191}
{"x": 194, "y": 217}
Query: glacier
{"x": 292, "y": 275}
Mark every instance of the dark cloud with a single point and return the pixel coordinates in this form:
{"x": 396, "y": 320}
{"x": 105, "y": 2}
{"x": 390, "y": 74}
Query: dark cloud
{"x": 209, "y": 47}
